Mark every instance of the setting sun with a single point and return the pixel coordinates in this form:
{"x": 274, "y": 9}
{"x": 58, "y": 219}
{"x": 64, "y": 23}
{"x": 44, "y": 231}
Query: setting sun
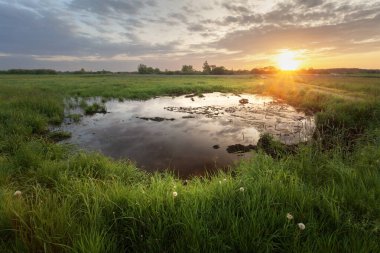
{"x": 287, "y": 60}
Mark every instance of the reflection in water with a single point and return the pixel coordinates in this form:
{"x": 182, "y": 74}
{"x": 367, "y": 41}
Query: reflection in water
{"x": 188, "y": 134}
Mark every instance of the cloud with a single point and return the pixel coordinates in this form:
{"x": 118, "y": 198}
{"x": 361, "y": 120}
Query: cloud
{"x": 319, "y": 12}
{"x": 341, "y": 37}
{"x": 309, "y": 3}
{"x": 235, "y": 8}
{"x": 127, "y": 31}
{"x": 103, "y": 7}
{"x": 179, "y": 16}
{"x": 242, "y": 20}
{"x": 196, "y": 28}
{"x": 312, "y": 25}
{"x": 4, "y": 55}
{"x": 95, "y": 58}
{"x": 24, "y": 32}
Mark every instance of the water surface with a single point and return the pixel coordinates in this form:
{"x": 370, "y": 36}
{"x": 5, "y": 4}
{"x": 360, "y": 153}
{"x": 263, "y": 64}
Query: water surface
{"x": 188, "y": 134}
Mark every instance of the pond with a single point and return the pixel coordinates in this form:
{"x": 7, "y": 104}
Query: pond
{"x": 188, "y": 134}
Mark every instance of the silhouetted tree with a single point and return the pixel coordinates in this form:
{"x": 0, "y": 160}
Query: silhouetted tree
{"x": 206, "y": 68}
{"x": 142, "y": 69}
{"x": 221, "y": 70}
{"x": 31, "y": 71}
{"x": 265, "y": 70}
{"x": 187, "y": 69}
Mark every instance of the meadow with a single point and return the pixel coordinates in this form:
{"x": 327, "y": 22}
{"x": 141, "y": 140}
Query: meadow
{"x": 54, "y": 198}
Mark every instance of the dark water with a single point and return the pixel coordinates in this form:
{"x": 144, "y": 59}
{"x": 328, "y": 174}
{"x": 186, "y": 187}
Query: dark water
{"x": 188, "y": 134}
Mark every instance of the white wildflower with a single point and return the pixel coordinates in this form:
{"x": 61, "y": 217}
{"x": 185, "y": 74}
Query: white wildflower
{"x": 301, "y": 226}
{"x": 289, "y": 216}
{"x": 241, "y": 189}
{"x": 225, "y": 180}
{"x": 175, "y": 194}
{"x": 17, "y": 194}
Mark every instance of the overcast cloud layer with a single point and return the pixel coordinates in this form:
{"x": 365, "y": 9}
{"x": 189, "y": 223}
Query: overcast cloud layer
{"x": 119, "y": 34}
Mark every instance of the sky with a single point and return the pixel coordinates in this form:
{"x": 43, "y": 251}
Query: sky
{"x": 118, "y": 35}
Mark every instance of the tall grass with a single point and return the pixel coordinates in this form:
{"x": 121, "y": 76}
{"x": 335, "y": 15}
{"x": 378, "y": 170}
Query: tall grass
{"x": 73, "y": 201}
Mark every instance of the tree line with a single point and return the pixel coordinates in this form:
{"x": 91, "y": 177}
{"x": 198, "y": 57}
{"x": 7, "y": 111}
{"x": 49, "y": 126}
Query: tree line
{"x": 51, "y": 72}
{"x": 30, "y": 71}
{"x": 207, "y": 69}
{"x": 187, "y": 70}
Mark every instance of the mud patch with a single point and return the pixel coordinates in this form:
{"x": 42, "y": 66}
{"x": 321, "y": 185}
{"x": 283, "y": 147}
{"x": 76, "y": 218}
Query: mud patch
{"x": 238, "y": 148}
{"x": 157, "y": 119}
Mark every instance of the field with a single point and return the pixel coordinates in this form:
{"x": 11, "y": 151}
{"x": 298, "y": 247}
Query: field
{"x": 73, "y": 201}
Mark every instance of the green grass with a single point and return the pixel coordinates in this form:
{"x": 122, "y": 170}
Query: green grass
{"x": 94, "y": 108}
{"x": 84, "y": 202}
{"x": 126, "y": 86}
{"x": 76, "y": 117}
{"x": 58, "y": 135}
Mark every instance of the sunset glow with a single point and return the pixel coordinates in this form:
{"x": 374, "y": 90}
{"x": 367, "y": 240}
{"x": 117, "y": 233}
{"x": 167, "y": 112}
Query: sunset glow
{"x": 119, "y": 35}
{"x": 288, "y": 61}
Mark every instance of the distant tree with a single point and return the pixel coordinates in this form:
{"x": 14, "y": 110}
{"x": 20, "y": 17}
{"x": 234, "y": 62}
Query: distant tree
{"x": 270, "y": 70}
{"x": 103, "y": 72}
{"x": 79, "y": 72}
{"x": 31, "y": 71}
{"x": 265, "y": 70}
{"x": 206, "y": 68}
{"x": 219, "y": 70}
{"x": 241, "y": 72}
{"x": 256, "y": 71}
{"x": 150, "y": 70}
{"x": 187, "y": 69}
{"x": 142, "y": 69}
